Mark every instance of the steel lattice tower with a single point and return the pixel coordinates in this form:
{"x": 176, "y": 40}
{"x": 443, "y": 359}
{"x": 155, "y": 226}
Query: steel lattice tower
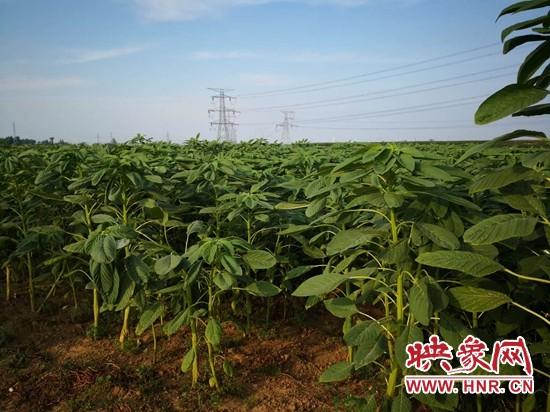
{"x": 225, "y": 122}
{"x": 286, "y": 125}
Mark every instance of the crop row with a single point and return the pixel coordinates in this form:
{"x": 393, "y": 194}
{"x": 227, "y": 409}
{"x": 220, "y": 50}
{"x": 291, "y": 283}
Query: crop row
{"x": 442, "y": 243}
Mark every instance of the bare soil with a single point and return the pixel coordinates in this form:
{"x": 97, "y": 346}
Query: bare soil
{"x": 47, "y": 363}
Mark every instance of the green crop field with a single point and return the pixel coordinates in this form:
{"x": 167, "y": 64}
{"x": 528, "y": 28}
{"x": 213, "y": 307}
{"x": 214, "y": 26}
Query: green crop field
{"x": 185, "y": 240}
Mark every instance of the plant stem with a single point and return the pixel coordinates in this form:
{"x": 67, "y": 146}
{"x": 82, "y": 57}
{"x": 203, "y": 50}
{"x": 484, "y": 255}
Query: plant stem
{"x": 540, "y": 280}
{"x": 208, "y": 344}
{"x": 392, "y": 380}
{"x": 399, "y": 292}
{"x": 531, "y": 312}
{"x": 124, "y": 330}
{"x": 195, "y": 366}
{"x": 436, "y": 323}
{"x": 96, "y": 310}
{"x": 393, "y": 225}
{"x": 73, "y": 289}
{"x": 212, "y": 366}
{"x": 154, "y": 344}
{"x": 8, "y": 284}
{"x": 31, "y": 284}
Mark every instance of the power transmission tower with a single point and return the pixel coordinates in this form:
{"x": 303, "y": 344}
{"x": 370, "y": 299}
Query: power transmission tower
{"x": 226, "y": 116}
{"x": 286, "y": 125}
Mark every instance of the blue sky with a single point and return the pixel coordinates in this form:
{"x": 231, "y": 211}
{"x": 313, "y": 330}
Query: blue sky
{"x": 76, "y": 69}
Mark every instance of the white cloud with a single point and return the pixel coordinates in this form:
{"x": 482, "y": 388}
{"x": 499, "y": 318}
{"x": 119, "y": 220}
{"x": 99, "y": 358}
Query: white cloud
{"x": 87, "y": 56}
{"x": 37, "y": 83}
{"x": 176, "y": 10}
{"x": 222, "y": 55}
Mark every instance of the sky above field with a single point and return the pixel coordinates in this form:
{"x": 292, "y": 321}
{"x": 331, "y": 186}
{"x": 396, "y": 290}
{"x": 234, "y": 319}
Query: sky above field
{"x": 349, "y": 69}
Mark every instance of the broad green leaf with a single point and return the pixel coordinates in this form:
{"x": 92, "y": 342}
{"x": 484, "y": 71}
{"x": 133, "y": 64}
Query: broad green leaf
{"x": 523, "y": 6}
{"x": 410, "y": 334}
{"x": 102, "y": 248}
{"x": 514, "y": 42}
{"x": 524, "y": 25}
{"x": 341, "y": 307}
{"x": 504, "y": 177}
{"x": 290, "y": 206}
{"x": 533, "y": 62}
{"x": 536, "y": 110}
{"x": 347, "y": 239}
{"x": 223, "y": 280}
{"x": 439, "y": 401}
{"x": 337, "y": 372}
{"x": 293, "y": 229}
{"x": 154, "y": 178}
{"x": 297, "y": 272}
{"x": 148, "y": 317}
{"x": 396, "y": 254}
{"x": 419, "y": 302}
{"x": 407, "y": 161}
{"x": 102, "y": 218}
{"x": 172, "y": 326}
{"x": 213, "y": 332}
{"x": 401, "y": 403}
{"x": 187, "y": 360}
{"x": 507, "y": 101}
{"x": 438, "y": 297}
{"x": 263, "y": 289}
{"x": 372, "y": 199}
{"x": 260, "y": 259}
{"x": 368, "y": 353}
{"x": 125, "y": 292}
{"x": 452, "y": 330}
{"x": 525, "y": 203}
{"x": 319, "y": 285}
{"x": 467, "y": 262}
{"x": 440, "y": 236}
{"x": 167, "y": 264}
{"x": 364, "y": 333}
{"x": 316, "y": 206}
{"x": 498, "y": 228}
{"x": 231, "y": 265}
{"x": 136, "y": 269}
{"x": 77, "y": 247}
{"x": 473, "y": 299}
{"x": 393, "y": 200}
{"x": 503, "y": 138}
{"x": 434, "y": 172}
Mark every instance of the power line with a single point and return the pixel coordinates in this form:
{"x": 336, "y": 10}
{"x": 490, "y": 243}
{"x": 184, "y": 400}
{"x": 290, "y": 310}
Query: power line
{"x": 225, "y": 124}
{"x": 401, "y": 128}
{"x": 390, "y": 76}
{"x": 403, "y": 110}
{"x": 359, "y": 97}
{"x": 346, "y": 79}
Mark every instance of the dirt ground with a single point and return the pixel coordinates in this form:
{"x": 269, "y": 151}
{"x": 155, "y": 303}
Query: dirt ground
{"x": 47, "y": 363}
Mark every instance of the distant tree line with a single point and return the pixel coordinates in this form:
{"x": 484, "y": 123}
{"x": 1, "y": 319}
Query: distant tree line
{"x": 11, "y": 140}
